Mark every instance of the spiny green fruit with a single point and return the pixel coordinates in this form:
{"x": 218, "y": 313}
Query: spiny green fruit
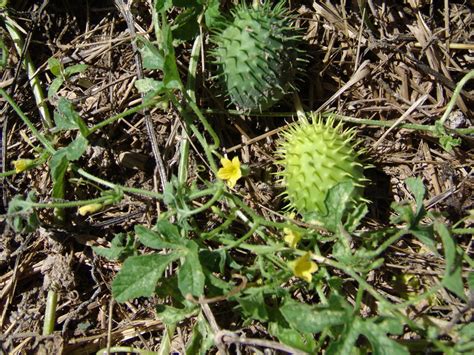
{"x": 257, "y": 55}
{"x": 316, "y": 156}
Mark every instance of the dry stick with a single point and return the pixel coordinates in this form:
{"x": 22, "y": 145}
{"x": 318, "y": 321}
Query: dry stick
{"x": 361, "y": 73}
{"x": 407, "y": 113}
{"x": 109, "y": 325}
{"x": 127, "y": 15}
{"x": 447, "y": 31}
{"x": 359, "y": 40}
{"x": 227, "y": 337}
{"x": 215, "y": 328}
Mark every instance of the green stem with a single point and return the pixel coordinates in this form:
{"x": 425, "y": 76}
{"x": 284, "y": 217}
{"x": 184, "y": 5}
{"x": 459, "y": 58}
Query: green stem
{"x": 191, "y": 91}
{"x": 67, "y": 204}
{"x": 262, "y": 221}
{"x": 463, "y": 231}
{"x": 201, "y": 193}
{"x": 239, "y": 241}
{"x": 131, "y": 190}
{"x": 9, "y": 173}
{"x": 126, "y": 113}
{"x": 386, "y": 244}
{"x": 195, "y": 131}
{"x": 416, "y": 299}
{"x": 166, "y": 340}
{"x": 349, "y": 119}
{"x": 358, "y": 300}
{"x": 204, "y": 207}
{"x": 192, "y": 69}
{"x": 456, "y": 94}
{"x": 206, "y": 124}
{"x": 50, "y": 312}
{"x": 35, "y": 83}
{"x": 224, "y": 226}
{"x": 28, "y": 123}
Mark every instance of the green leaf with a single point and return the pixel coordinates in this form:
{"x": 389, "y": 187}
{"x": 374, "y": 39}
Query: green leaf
{"x": 147, "y": 85}
{"x": 253, "y": 304}
{"x": 308, "y": 319}
{"x": 171, "y": 315}
{"x": 55, "y": 86}
{"x": 214, "y": 260}
{"x": 405, "y": 211}
{"x": 212, "y": 14}
{"x": 55, "y": 66}
{"x": 202, "y": 338}
{"x": 162, "y": 5}
{"x": 75, "y": 69}
{"x": 466, "y": 332}
{"x": 60, "y": 162}
{"x": 152, "y": 57}
{"x": 190, "y": 275}
{"x": 355, "y": 217}
{"x": 169, "y": 193}
{"x": 3, "y": 54}
{"x": 76, "y": 148}
{"x": 293, "y": 338}
{"x": 470, "y": 281}
{"x": 376, "y": 333}
{"x": 186, "y": 26}
{"x": 425, "y": 235}
{"x": 415, "y": 185}
{"x": 447, "y": 141}
{"x": 345, "y": 343}
{"x": 21, "y": 215}
{"x": 166, "y": 236}
{"x": 66, "y": 118}
{"x": 58, "y": 165}
{"x": 452, "y": 278}
{"x": 139, "y": 275}
{"x": 337, "y": 199}
{"x": 170, "y": 70}
{"x": 122, "y": 246}
{"x": 216, "y": 285}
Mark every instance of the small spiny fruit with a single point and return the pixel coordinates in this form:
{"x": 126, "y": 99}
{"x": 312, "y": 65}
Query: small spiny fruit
{"x": 316, "y": 156}
{"x": 257, "y": 55}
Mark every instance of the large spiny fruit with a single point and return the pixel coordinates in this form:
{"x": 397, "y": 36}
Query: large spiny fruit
{"x": 257, "y": 55}
{"x": 316, "y": 156}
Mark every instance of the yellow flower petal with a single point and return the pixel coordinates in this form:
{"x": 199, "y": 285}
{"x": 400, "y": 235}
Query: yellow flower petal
{"x": 230, "y": 171}
{"x": 291, "y": 238}
{"x": 236, "y": 162}
{"x": 88, "y": 209}
{"x": 21, "y": 165}
{"x": 303, "y": 267}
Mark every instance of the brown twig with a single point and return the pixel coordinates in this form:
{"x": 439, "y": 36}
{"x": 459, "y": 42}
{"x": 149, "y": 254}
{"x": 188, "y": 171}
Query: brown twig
{"x": 127, "y": 15}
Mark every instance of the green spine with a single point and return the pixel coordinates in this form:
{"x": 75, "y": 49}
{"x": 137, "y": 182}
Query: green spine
{"x": 257, "y": 54}
{"x": 315, "y": 157}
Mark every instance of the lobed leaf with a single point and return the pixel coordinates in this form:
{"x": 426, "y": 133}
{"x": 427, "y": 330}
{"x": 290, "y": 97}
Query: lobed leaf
{"x": 139, "y": 276}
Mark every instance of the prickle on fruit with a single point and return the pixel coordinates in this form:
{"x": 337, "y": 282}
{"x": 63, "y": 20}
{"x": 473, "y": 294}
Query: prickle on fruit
{"x": 257, "y": 55}
{"x": 315, "y": 157}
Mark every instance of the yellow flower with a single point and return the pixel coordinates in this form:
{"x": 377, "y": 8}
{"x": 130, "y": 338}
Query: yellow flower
{"x": 303, "y": 267}
{"x": 292, "y": 238}
{"x": 88, "y": 209}
{"x": 21, "y": 165}
{"x": 230, "y": 171}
